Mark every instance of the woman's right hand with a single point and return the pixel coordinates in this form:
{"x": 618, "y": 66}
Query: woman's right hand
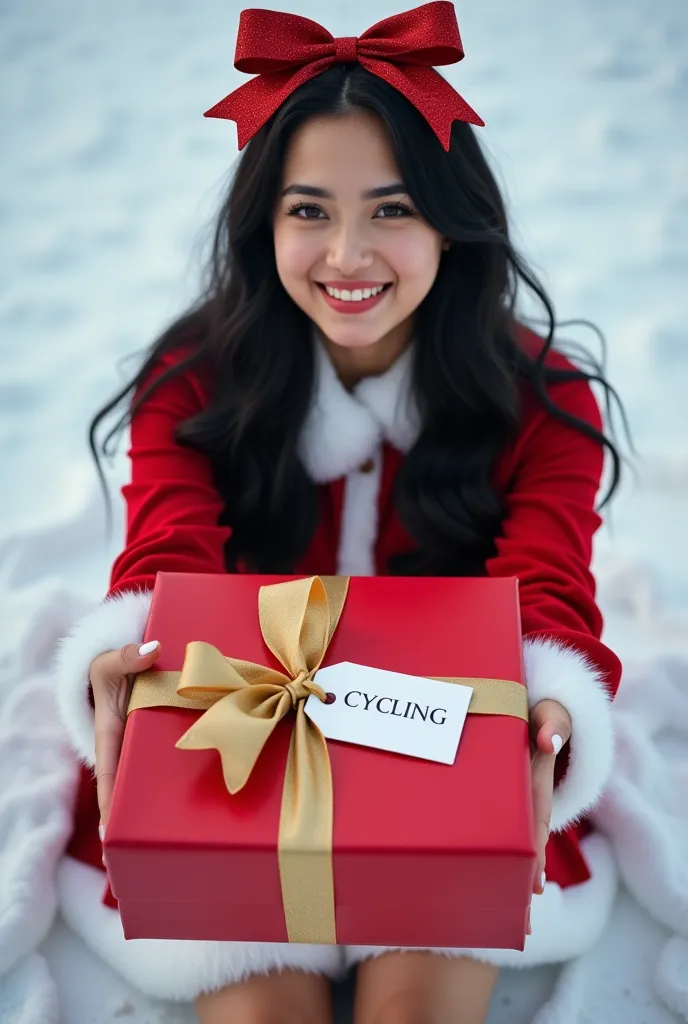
{"x": 112, "y": 677}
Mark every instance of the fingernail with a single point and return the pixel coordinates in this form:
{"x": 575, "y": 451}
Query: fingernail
{"x": 101, "y": 831}
{"x": 542, "y": 880}
{"x": 150, "y": 646}
{"x": 557, "y": 743}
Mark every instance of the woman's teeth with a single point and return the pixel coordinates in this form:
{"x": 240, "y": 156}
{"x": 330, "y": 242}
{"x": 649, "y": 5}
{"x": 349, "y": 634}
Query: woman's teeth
{"x": 357, "y": 295}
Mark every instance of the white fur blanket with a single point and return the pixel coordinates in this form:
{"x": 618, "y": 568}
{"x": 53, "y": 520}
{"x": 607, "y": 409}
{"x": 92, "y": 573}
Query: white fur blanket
{"x": 638, "y": 972}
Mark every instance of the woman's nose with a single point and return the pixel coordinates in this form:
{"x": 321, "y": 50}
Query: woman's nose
{"x": 348, "y": 252}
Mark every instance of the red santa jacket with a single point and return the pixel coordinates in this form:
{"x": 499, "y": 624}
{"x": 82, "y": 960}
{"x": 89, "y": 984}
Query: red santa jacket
{"x": 352, "y": 446}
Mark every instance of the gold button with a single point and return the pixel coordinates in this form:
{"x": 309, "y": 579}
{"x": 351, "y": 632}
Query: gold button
{"x": 367, "y": 467}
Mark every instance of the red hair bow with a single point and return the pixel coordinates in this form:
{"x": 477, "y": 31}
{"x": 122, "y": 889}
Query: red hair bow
{"x": 285, "y": 50}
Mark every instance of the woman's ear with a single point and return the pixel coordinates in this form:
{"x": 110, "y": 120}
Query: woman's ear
{"x": 446, "y": 244}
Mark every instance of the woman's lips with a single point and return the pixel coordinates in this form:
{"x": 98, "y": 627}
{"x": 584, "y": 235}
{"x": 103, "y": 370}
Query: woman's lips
{"x": 350, "y": 305}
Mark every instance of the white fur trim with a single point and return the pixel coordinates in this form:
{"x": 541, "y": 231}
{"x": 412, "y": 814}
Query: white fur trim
{"x": 117, "y": 621}
{"x": 356, "y": 555}
{"x": 345, "y": 428}
{"x": 339, "y": 433}
{"x": 555, "y": 671}
{"x": 390, "y": 399}
{"x": 565, "y": 922}
{"x": 172, "y": 968}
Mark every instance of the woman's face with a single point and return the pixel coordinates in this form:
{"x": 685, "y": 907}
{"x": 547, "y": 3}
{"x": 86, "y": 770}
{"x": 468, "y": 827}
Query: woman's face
{"x": 350, "y": 248}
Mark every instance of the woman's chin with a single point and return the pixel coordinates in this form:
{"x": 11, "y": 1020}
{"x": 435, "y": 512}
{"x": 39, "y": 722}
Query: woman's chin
{"x": 352, "y": 337}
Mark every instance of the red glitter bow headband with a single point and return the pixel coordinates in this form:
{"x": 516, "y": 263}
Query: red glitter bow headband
{"x": 284, "y": 51}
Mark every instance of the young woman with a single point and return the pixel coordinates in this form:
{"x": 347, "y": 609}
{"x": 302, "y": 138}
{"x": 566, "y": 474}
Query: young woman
{"x": 354, "y": 394}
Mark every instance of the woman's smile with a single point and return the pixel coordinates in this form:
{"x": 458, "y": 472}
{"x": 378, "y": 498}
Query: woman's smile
{"x": 352, "y": 296}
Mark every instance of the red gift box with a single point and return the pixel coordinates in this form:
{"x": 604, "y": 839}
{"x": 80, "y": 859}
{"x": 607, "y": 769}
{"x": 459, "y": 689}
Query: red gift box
{"x": 424, "y": 854}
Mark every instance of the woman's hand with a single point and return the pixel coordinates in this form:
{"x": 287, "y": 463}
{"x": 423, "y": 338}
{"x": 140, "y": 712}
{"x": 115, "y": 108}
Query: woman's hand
{"x": 550, "y": 729}
{"x": 112, "y": 677}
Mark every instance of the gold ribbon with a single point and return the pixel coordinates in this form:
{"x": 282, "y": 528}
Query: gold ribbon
{"x": 243, "y": 702}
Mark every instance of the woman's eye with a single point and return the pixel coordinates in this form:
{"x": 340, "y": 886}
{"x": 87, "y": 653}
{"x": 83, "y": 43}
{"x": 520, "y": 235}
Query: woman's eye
{"x": 305, "y": 211}
{"x": 394, "y": 210}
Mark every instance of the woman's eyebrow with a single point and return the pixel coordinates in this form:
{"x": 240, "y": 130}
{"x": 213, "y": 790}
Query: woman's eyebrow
{"x": 397, "y": 188}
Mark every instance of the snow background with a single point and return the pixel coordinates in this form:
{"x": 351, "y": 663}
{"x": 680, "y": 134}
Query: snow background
{"x": 109, "y": 180}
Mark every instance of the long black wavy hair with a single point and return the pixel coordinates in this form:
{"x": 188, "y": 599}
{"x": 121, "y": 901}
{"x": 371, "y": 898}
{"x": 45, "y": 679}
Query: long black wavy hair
{"x": 256, "y": 344}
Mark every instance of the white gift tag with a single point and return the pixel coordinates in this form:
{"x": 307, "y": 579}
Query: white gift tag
{"x": 391, "y": 711}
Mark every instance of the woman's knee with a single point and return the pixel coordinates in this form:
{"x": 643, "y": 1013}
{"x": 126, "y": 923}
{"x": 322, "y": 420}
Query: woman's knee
{"x": 424, "y": 988}
{"x": 287, "y": 997}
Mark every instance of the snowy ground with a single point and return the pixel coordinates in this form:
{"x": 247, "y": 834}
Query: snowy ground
{"x": 109, "y": 179}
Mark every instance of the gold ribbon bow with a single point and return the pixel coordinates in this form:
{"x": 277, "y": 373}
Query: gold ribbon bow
{"x": 244, "y": 703}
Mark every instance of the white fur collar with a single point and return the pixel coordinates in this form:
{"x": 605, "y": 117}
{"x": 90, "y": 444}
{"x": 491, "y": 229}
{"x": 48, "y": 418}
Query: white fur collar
{"x": 345, "y": 428}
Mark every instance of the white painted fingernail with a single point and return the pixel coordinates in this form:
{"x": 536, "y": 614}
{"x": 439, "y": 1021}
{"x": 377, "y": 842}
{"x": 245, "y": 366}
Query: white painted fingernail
{"x": 542, "y": 881}
{"x": 147, "y": 648}
{"x": 101, "y": 831}
{"x": 557, "y": 743}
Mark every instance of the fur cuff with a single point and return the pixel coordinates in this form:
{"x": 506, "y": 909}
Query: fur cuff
{"x": 555, "y": 671}
{"x": 119, "y": 620}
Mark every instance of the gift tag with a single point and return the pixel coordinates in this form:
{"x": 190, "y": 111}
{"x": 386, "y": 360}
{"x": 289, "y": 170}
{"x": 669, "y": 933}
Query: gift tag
{"x": 391, "y": 711}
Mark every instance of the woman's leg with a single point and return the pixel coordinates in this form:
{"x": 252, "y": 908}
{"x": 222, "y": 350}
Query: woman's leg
{"x": 423, "y": 988}
{"x": 287, "y": 997}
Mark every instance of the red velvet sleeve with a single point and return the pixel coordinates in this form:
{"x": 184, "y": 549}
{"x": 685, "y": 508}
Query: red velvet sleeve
{"x": 547, "y": 534}
{"x": 172, "y": 506}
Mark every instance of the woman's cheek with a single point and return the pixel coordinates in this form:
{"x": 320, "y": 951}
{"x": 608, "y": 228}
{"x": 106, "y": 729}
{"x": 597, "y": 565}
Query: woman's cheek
{"x": 295, "y": 256}
{"x": 415, "y": 259}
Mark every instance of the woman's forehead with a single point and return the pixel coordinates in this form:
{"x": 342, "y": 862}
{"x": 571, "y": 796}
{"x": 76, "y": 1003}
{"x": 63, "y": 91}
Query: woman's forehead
{"x": 352, "y": 149}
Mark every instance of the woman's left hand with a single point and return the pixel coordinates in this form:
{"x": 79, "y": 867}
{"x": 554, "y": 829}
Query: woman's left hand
{"x": 550, "y": 729}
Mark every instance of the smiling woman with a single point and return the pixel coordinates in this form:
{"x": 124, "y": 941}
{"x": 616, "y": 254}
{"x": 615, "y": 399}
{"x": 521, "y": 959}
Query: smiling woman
{"x": 354, "y": 394}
